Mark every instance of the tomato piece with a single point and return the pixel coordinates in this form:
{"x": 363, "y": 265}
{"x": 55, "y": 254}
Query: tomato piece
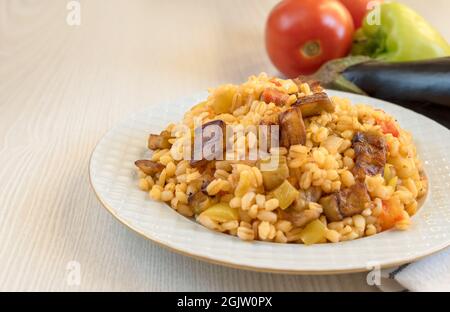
{"x": 389, "y": 127}
{"x": 271, "y": 95}
{"x": 301, "y": 35}
{"x": 391, "y": 213}
{"x": 275, "y": 82}
{"x": 359, "y": 9}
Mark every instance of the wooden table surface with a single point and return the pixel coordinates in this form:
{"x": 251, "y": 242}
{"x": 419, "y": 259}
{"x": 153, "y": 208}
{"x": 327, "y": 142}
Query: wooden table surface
{"x": 62, "y": 87}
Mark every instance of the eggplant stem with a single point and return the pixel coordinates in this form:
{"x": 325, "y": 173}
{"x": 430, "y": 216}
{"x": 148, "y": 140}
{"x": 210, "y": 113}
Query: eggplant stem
{"x": 342, "y": 84}
{"x": 330, "y": 76}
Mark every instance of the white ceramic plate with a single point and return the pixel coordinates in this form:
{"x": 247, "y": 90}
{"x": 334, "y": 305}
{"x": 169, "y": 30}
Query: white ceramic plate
{"x": 114, "y": 180}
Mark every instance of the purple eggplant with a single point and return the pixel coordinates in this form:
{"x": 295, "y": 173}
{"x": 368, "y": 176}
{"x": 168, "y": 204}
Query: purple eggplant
{"x": 423, "y": 86}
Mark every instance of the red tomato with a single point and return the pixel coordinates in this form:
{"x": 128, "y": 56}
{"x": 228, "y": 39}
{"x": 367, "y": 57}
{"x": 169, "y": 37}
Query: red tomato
{"x": 271, "y": 95}
{"x": 391, "y": 213}
{"x": 301, "y": 35}
{"x": 389, "y": 127}
{"x": 359, "y": 8}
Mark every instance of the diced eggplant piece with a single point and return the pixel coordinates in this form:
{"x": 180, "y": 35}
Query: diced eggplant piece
{"x": 199, "y": 202}
{"x": 330, "y": 207}
{"x": 204, "y": 186}
{"x": 159, "y": 141}
{"x": 370, "y": 154}
{"x": 311, "y": 195}
{"x": 207, "y": 176}
{"x": 304, "y": 217}
{"x": 149, "y": 167}
{"x": 198, "y": 163}
{"x": 345, "y": 203}
{"x": 315, "y": 104}
{"x": 353, "y": 200}
{"x": 196, "y": 198}
{"x": 272, "y": 95}
{"x": 272, "y": 179}
{"x": 314, "y": 85}
{"x": 214, "y": 139}
{"x": 299, "y": 203}
{"x": 292, "y": 128}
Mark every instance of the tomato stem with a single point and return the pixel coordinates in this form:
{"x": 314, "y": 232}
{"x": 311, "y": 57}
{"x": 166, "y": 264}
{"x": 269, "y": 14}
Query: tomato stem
{"x": 311, "y": 49}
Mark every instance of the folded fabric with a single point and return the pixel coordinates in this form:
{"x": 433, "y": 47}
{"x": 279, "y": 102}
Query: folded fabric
{"x": 429, "y": 274}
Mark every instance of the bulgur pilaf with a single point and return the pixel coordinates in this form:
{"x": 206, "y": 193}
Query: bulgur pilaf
{"x": 342, "y": 171}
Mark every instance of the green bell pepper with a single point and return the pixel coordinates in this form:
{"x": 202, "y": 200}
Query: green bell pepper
{"x": 403, "y": 35}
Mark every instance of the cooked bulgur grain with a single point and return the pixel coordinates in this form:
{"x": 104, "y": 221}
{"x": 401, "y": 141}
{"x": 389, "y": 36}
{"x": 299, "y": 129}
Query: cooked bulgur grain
{"x": 316, "y": 176}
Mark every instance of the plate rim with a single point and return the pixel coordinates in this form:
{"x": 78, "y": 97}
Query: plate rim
{"x": 254, "y": 268}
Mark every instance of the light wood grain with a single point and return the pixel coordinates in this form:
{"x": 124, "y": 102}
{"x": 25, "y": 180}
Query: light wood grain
{"x": 62, "y": 88}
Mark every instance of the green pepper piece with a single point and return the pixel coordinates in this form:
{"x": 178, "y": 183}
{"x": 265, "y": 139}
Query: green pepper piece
{"x": 403, "y": 35}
